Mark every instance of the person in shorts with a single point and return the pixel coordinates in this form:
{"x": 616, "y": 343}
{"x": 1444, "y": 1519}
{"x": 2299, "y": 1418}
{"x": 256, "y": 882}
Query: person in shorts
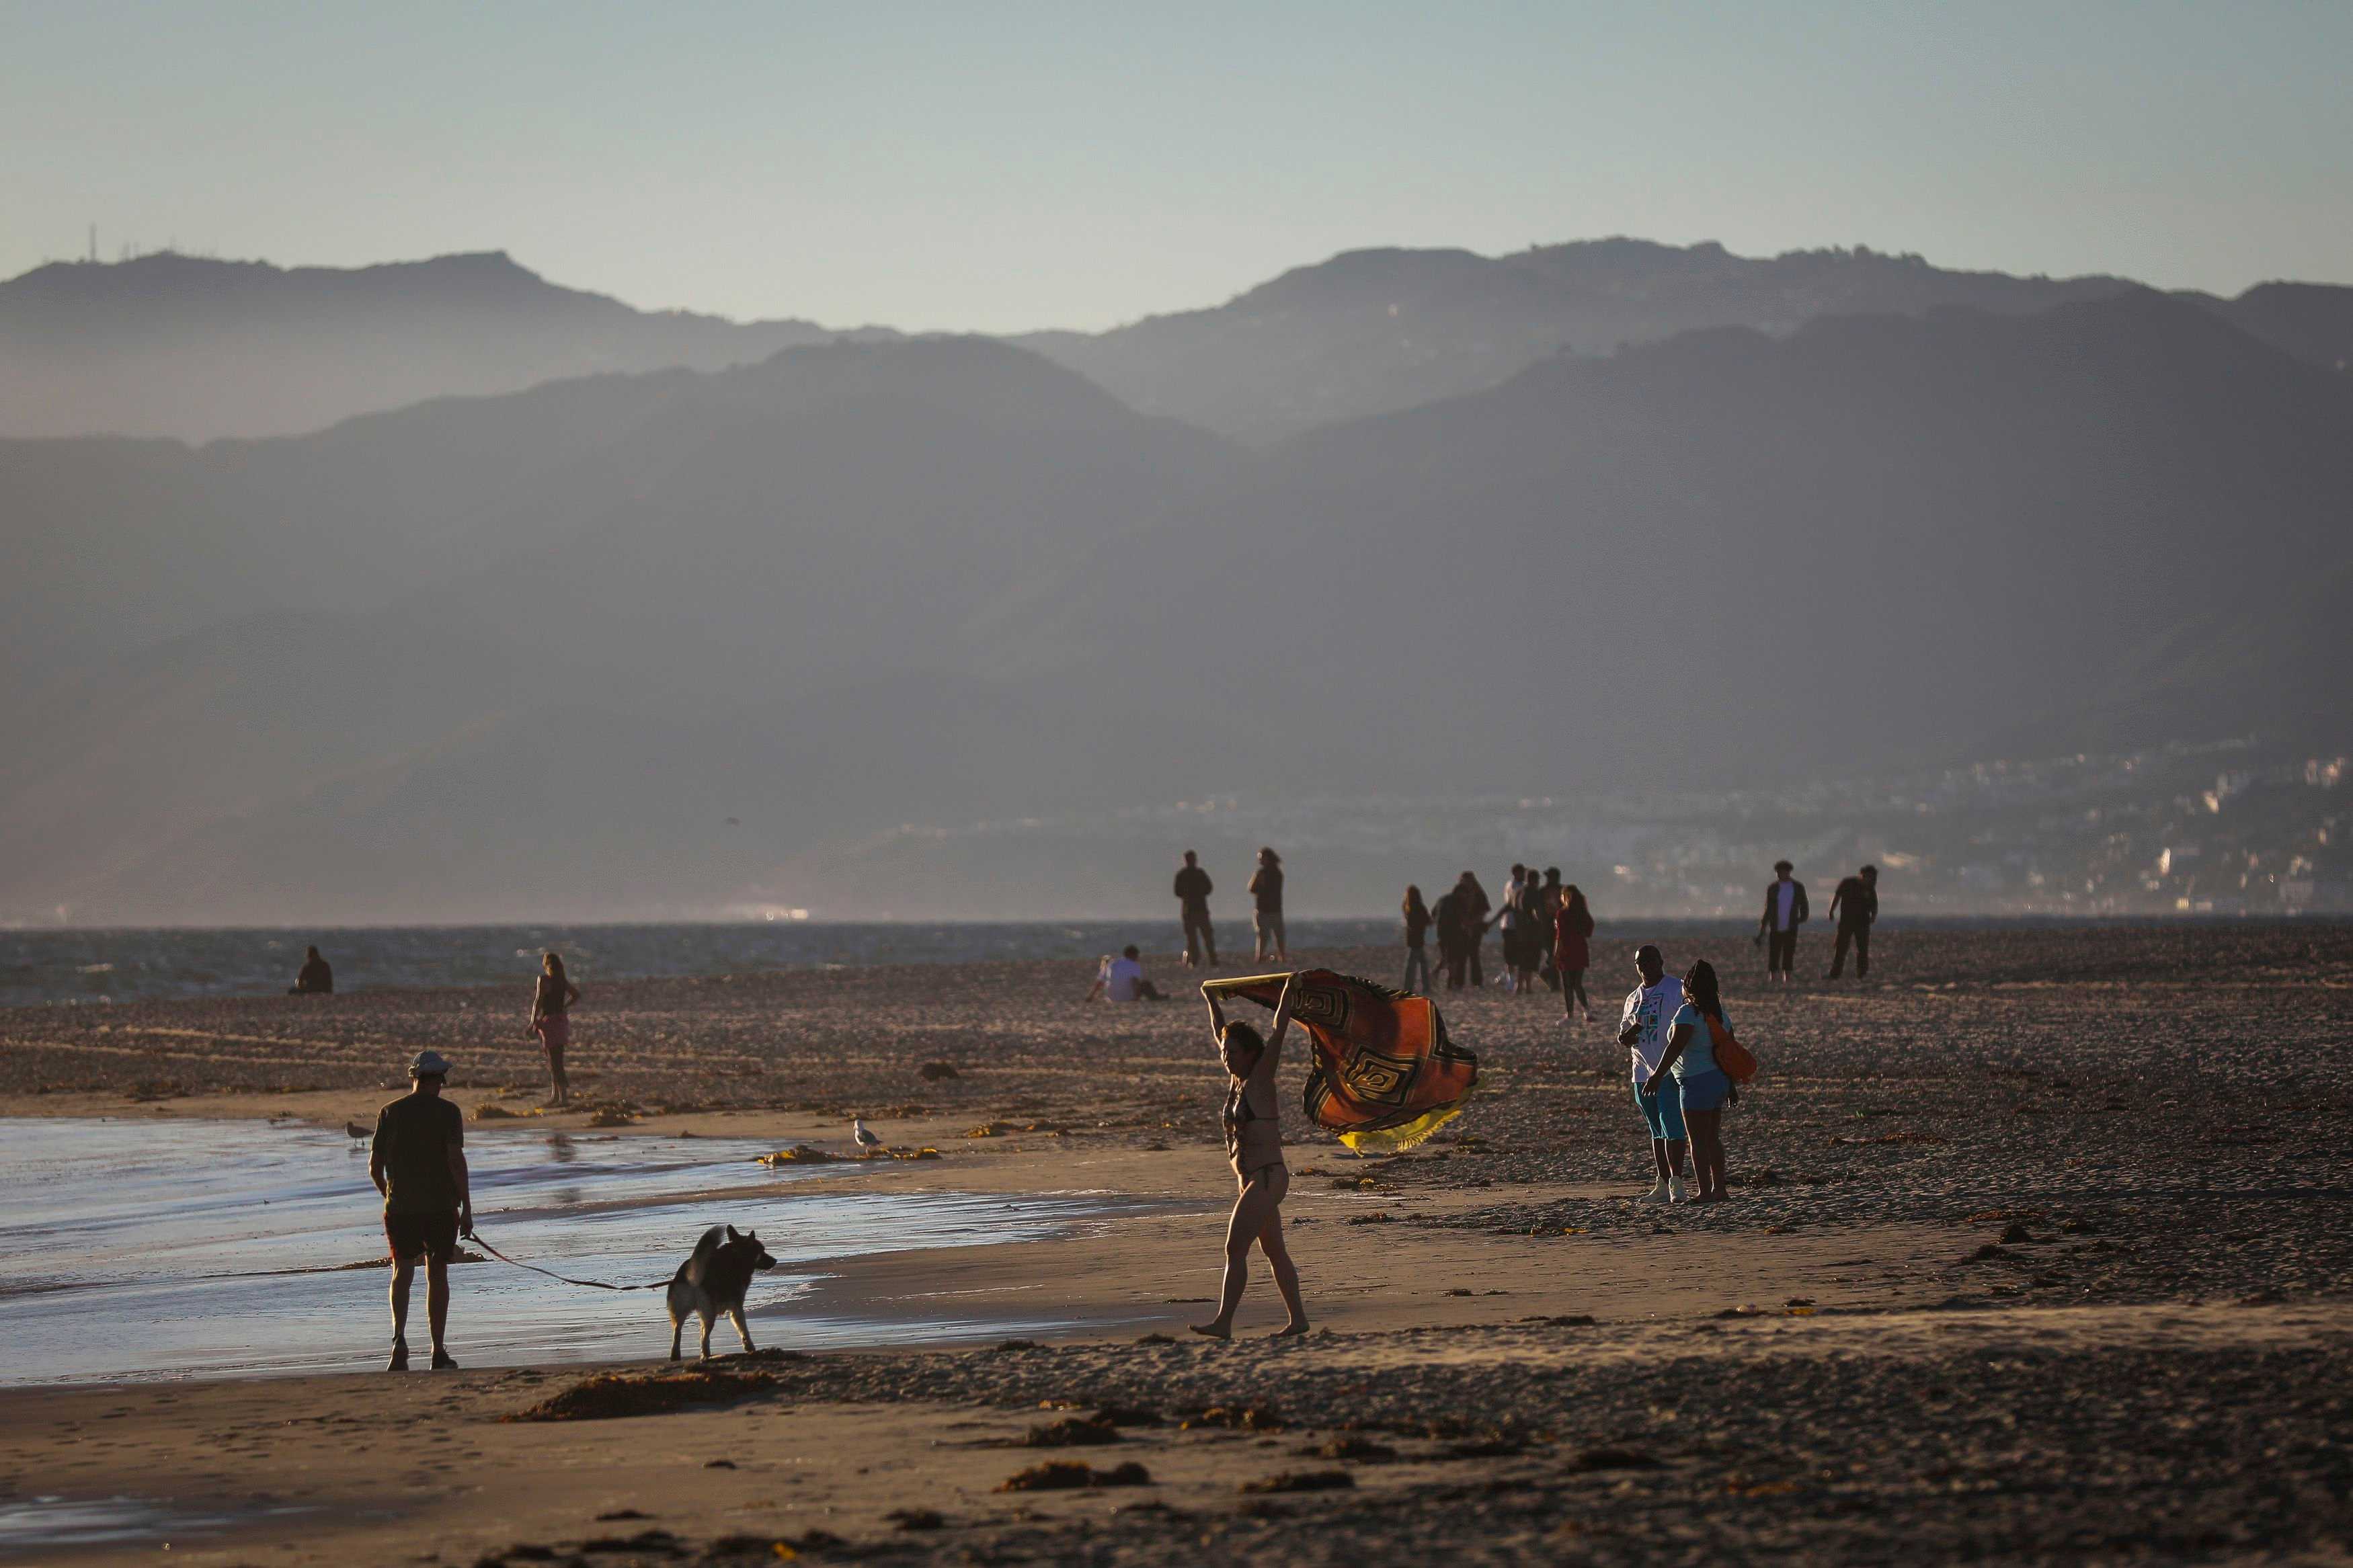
{"x": 1689, "y": 1073}
{"x": 1650, "y": 1009}
{"x": 1266, "y": 899}
{"x": 417, "y": 1161}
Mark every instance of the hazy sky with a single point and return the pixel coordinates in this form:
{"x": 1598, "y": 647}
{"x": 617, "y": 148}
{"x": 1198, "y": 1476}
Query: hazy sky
{"x": 1004, "y": 165}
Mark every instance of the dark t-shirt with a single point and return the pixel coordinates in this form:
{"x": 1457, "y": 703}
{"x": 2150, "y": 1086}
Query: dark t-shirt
{"x": 414, "y": 1136}
{"x": 1417, "y": 923}
{"x": 316, "y": 979}
{"x": 1267, "y": 889}
{"x": 1858, "y": 905}
{"x": 1193, "y": 888}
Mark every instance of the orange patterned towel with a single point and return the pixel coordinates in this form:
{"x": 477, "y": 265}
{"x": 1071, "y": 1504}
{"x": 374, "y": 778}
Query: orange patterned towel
{"x": 1386, "y": 1076}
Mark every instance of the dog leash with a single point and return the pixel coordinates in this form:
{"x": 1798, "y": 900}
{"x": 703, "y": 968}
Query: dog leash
{"x": 476, "y": 1237}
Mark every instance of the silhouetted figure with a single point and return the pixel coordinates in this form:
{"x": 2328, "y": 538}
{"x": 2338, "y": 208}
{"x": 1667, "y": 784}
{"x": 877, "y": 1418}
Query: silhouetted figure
{"x": 1784, "y": 911}
{"x": 1416, "y": 930}
{"x": 1266, "y": 899}
{"x": 1193, "y": 905}
{"x": 1572, "y": 951}
{"x": 315, "y": 978}
{"x": 551, "y": 1020}
{"x": 1476, "y": 907}
{"x": 1550, "y": 906}
{"x": 1453, "y": 945}
{"x": 1511, "y": 924}
{"x": 1855, "y": 905}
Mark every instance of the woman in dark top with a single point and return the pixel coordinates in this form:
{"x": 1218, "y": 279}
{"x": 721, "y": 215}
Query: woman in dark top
{"x": 315, "y": 978}
{"x": 1416, "y": 929}
{"x": 551, "y": 1020}
{"x": 1253, "y": 1123}
{"x": 1571, "y": 951}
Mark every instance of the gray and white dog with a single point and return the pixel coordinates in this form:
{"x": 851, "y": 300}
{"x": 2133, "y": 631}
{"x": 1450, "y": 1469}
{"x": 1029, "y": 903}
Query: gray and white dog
{"x": 714, "y": 1281}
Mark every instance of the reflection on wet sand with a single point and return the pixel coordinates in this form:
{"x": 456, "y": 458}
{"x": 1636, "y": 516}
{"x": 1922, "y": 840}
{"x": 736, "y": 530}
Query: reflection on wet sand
{"x": 244, "y": 1248}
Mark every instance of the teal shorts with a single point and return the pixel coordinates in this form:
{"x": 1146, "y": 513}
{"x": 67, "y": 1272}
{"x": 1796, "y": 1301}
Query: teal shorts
{"x": 1664, "y": 1112}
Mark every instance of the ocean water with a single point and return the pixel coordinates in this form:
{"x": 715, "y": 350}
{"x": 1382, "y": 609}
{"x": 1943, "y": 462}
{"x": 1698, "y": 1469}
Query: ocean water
{"x": 140, "y": 1249}
{"x": 101, "y": 966}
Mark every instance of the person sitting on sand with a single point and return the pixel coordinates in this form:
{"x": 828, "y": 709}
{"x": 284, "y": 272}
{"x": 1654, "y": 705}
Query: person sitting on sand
{"x": 1643, "y": 1029}
{"x": 1254, "y": 1144}
{"x": 314, "y": 978}
{"x": 1121, "y": 979}
{"x": 1703, "y": 1087}
{"x": 551, "y": 1020}
{"x": 417, "y": 1161}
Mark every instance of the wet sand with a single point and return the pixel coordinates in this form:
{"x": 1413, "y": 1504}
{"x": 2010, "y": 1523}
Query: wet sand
{"x": 2040, "y": 1248}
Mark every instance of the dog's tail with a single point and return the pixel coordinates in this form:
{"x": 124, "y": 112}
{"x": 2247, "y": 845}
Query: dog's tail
{"x": 711, "y": 1240}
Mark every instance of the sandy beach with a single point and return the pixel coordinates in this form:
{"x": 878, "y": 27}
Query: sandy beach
{"x": 2038, "y": 1250}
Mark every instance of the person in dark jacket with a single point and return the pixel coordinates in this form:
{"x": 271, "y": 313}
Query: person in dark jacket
{"x": 1777, "y": 929}
{"x": 315, "y": 978}
{"x": 1550, "y": 905}
{"x": 1192, "y": 890}
{"x": 1453, "y": 950}
{"x": 1476, "y": 907}
{"x": 1856, "y": 906}
{"x": 1266, "y": 915}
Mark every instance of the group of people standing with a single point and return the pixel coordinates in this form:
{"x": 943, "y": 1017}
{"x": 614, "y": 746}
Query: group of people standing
{"x": 1855, "y": 905}
{"x": 1269, "y": 940}
{"x": 1546, "y": 925}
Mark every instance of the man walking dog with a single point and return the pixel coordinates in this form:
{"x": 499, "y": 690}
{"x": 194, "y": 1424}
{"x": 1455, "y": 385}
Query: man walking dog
{"x": 417, "y": 1162}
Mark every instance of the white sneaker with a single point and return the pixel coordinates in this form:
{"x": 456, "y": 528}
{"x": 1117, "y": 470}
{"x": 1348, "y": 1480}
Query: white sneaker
{"x": 1675, "y": 1190}
{"x": 1657, "y": 1194}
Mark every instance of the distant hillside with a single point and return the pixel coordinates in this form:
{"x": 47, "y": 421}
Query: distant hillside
{"x": 1875, "y": 541}
{"x": 187, "y": 347}
{"x": 396, "y": 665}
{"x": 1372, "y": 331}
{"x": 674, "y": 642}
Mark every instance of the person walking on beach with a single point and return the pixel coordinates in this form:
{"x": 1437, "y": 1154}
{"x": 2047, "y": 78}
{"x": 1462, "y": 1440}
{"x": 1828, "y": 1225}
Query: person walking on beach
{"x": 1447, "y": 916}
{"x": 1417, "y": 931}
{"x": 1254, "y": 1145}
{"x": 1476, "y": 906}
{"x": 417, "y": 1161}
{"x": 1855, "y": 905}
{"x": 551, "y": 1020}
{"x": 1784, "y": 911}
{"x": 1266, "y": 898}
{"x": 1549, "y": 899}
{"x": 1571, "y": 950}
{"x": 1650, "y": 1008}
{"x": 1689, "y": 1071}
{"x": 315, "y": 978}
{"x": 1193, "y": 908}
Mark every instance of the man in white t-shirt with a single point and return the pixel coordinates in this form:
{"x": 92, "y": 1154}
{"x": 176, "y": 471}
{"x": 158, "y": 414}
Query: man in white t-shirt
{"x": 1784, "y": 911}
{"x": 1643, "y": 1029}
{"x": 1121, "y": 979}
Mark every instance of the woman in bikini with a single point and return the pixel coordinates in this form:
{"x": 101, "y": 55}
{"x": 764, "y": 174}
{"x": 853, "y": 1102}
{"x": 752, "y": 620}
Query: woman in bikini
{"x": 1254, "y": 1144}
{"x": 551, "y": 1020}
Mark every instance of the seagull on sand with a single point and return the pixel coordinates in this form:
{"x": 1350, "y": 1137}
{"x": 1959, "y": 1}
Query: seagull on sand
{"x": 863, "y": 1136}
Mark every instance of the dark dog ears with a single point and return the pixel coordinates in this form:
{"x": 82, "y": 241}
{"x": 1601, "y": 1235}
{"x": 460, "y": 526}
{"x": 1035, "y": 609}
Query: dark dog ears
{"x": 734, "y": 1235}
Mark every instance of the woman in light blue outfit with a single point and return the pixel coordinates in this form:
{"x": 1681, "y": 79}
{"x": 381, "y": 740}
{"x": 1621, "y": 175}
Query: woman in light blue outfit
{"x": 1703, "y": 1086}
